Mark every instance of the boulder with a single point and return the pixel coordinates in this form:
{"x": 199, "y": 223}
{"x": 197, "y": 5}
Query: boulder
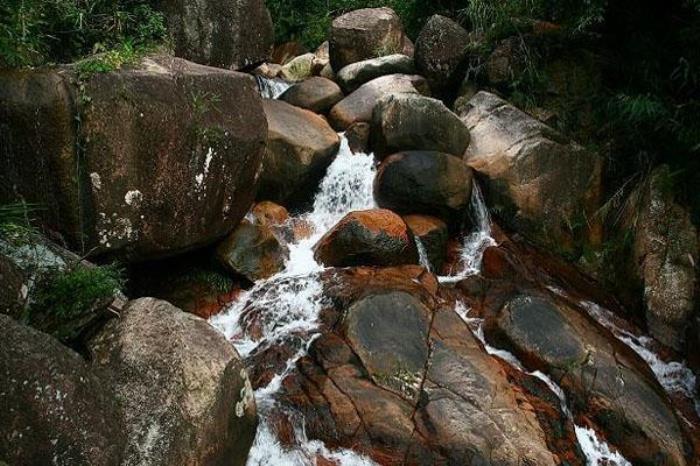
{"x": 299, "y": 68}
{"x": 424, "y": 182}
{"x": 398, "y": 377}
{"x": 53, "y": 408}
{"x": 185, "y": 394}
{"x": 354, "y": 75}
{"x": 359, "y": 105}
{"x": 231, "y": 35}
{"x": 665, "y": 258}
{"x": 285, "y": 52}
{"x": 316, "y": 94}
{"x": 13, "y": 288}
{"x": 253, "y": 251}
{"x": 300, "y": 147}
{"x": 178, "y": 141}
{"x": 433, "y": 235}
{"x": 368, "y": 237}
{"x": 415, "y": 122}
{"x": 543, "y": 185}
{"x": 365, "y": 33}
{"x": 269, "y": 214}
{"x": 602, "y": 379}
{"x": 441, "y": 52}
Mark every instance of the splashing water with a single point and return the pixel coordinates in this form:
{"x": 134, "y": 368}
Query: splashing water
{"x": 271, "y": 88}
{"x": 292, "y": 300}
{"x": 597, "y": 451}
{"x": 674, "y": 376}
{"x": 476, "y": 242}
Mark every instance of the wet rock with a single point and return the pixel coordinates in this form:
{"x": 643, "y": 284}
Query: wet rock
{"x": 433, "y": 234}
{"x": 185, "y": 394}
{"x": 365, "y": 33}
{"x": 543, "y": 185}
{"x": 232, "y": 35}
{"x": 359, "y": 105}
{"x": 316, "y": 94}
{"x": 441, "y": 51}
{"x": 665, "y": 257}
{"x": 179, "y": 140}
{"x": 268, "y": 213}
{"x": 603, "y": 380}
{"x": 300, "y": 147}
{"x": 354, "y": 75}
{"x": 13, "y": 288}
{"x": 358, "y": 137}
{"x": 424, "y": 182}
{"x": 253, "y": 251}
{"x": 53, "y": 409}
{"x": 403, "y": 380}
{"x": 368, "y": 237}
{"x": 414, "y": 122}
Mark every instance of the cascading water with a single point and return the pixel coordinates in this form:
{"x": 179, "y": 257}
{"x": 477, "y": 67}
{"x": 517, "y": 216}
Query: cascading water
{"x": 476, "y": 242}
{"x": 292, "y": 300}
{"x": 422, "y": 254}
{"x": 597, "y": 451}
{"x": 271, "y": 88}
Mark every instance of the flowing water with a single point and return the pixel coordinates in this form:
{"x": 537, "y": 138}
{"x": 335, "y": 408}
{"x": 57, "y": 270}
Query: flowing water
{"x": 292, "y": 300}
{"x": 271, "y": 88}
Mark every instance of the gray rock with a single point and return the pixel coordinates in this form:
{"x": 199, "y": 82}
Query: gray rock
{"x": 354, "y": 75}
{"x": 185, "y": 394}
{"x": 441, "y": 50}
{"x": 414, "y": 122}
{"x": 317, "y": 94}
{"x": 53, "y": 408}
{"x": 300, "y": 147}
{"x": 226, "y": 34}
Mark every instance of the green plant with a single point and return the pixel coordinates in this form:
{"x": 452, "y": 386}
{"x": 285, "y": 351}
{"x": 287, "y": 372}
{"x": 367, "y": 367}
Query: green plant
{"x": 16, "y": 221}
{"x": 36, "y": 32}
{"x": 65, "y": 302}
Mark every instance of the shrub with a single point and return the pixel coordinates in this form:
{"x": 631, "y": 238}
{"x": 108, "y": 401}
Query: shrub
{"x": 36, "y": 32}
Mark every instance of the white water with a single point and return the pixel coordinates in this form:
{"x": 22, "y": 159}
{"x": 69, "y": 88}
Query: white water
{"x": 422, "y": 254}
{"x": 674, "y": 376}
{"x": 292, "y": 300}
{"x": 476, "y": 242}
{"x": 271, "y": 88}
{"x": 596, "y": 450}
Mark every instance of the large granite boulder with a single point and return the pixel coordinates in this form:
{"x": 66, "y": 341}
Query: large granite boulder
{"x": 541, "y": 184}
{"x": 53, "y": 408}
{"x": 179, "y": 142}
{"x": 354, "y": 75}
{"x": 366, "y": 33}
{"x": 253, "y": 251}
{"x": 665, "y": 258}
{"x": 602, "y": 379}
{"x": 424, "y": 182}
{"x": 226, "y": 34}
{"x": 367, "y": 237}
{"x": 184, "y": 391}
{"x": 316, "y": 94}
{"x": 358, "y": 106}
{"x": 414, "y": 122}
{"x": 441, "y": 52}
{"x": 300, "y": 147}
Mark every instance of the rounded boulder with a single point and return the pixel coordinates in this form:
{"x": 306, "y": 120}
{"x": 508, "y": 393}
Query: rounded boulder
{"x": 316, "y": 94}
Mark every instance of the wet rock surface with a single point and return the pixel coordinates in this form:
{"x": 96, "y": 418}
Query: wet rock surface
{"x": 433, "y": 233}
{"x": 184, "y": 392}
{"x": 369, "y": 237}
{"x": 424, "y": 182}
{"x": 316, "y": 94}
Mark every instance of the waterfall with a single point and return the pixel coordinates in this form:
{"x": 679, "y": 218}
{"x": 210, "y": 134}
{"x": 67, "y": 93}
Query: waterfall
{"x": 292, "y": 300}
{"x": 596, "y": 450}
{"x": 271, "y": 88}
{"x": 476, "y": 242}
{"x": 422, "y": 253}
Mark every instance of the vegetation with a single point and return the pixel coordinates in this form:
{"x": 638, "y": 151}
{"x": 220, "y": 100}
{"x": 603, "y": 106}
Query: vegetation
{"x": 36, "y": 32}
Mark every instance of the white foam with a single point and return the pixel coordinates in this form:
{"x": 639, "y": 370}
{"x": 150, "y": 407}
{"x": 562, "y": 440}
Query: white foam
{"x": 271, "y": 88}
